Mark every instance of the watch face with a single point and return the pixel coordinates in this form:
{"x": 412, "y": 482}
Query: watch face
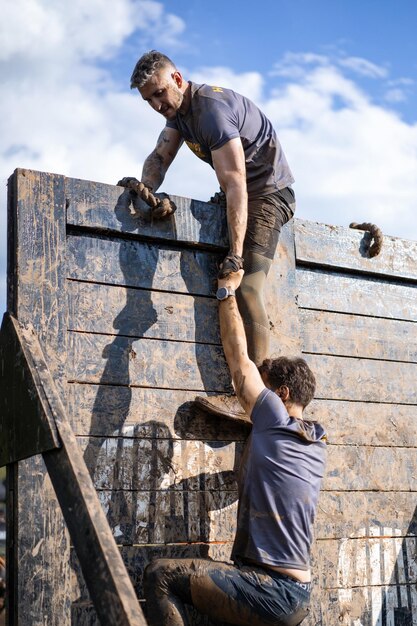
{"x": 222, "y": 293}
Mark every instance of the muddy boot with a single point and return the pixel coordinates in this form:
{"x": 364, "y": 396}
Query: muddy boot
{"x": 223, "y": 406}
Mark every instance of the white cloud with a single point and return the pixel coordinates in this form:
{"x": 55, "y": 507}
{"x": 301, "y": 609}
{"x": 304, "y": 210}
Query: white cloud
{"x": 248, "y": 83}
{"x": 364, "y": 67}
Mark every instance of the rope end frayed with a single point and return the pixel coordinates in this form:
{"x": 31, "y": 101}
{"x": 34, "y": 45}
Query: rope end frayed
{"x": 376, "y": 235}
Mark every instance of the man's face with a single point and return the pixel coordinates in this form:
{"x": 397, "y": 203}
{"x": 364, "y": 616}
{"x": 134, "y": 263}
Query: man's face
{"x": 163, "y": 93}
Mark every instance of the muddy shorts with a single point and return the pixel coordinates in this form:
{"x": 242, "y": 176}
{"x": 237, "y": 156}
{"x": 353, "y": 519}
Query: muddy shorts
{"x": 266, "y": 596}
{"x": 266, "y": 216}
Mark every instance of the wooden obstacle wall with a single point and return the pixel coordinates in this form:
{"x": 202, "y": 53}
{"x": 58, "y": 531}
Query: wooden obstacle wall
{"x": 126, "y": 313}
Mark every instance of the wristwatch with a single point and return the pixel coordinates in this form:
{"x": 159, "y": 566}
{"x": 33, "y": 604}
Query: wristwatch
{"x": 224, "y": 292}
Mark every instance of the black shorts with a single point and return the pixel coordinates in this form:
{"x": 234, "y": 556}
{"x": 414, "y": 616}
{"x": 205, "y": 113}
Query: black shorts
{"x": 266, "y": 216}
{"x": 268, "y": 597}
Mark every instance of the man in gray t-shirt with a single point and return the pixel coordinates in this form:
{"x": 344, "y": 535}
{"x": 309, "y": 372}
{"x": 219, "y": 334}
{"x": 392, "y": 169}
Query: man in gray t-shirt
{"x": 279, "y": 483}
{"x": 230, "y": 133}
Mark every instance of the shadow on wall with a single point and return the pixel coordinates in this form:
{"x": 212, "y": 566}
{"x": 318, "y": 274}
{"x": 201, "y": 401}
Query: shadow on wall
{"x": 148, "y": 490}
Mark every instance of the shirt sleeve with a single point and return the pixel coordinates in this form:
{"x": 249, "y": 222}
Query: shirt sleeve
{"x": 269, "y": 411}
{"x": 171, "y": 124}
{"x": 218, "y": 124}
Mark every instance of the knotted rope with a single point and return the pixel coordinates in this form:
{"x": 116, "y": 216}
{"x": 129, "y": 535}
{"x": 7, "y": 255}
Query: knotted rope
{"x": 160, "y": 207}
{"x": 376, "y": 235}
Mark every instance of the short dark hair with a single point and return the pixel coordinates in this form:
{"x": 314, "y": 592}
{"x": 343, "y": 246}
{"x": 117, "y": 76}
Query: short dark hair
{"x": 148, "y": 64}
{"x": 294, "y": 373}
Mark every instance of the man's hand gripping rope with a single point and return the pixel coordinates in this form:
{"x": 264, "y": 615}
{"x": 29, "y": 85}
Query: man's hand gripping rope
{"x": 160, "y": 207}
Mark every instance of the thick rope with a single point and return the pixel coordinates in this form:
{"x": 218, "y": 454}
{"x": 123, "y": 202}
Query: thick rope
{"x": 161, "y": 207}
{"x": 376, "y": 235}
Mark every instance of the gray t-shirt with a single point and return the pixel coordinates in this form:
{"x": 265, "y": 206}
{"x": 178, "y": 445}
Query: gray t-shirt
{"x": 279, "y": 484}
{"x": 217, "y": 115}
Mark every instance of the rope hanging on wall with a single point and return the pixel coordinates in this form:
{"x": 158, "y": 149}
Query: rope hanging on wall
{"x": 376, "y": 235}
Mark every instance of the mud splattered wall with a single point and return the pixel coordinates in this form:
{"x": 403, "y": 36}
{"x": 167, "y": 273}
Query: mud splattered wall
{"x": 358, "y": 329}
{"x": 126, "y": 311}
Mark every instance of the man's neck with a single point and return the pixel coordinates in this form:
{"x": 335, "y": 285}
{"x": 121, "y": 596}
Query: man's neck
{"x": 186, "y": 103}
{"x": 294, "y": 410}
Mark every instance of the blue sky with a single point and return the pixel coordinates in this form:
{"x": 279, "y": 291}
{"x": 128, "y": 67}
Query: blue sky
{"x": 337, "y": 79}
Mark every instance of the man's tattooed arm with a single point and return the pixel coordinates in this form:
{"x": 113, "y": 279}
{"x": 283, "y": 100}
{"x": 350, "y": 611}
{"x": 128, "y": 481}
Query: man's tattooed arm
{"x": 158, "y": 162}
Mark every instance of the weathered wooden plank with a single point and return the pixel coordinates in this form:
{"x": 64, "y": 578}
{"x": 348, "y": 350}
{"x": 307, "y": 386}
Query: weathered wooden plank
{"x": 356, "y": 295}
{"x": 351, "y": 514}
{"x": 335, "y": 246}
{"x": 126, "y": 463}
{"x": 140, "y": 264}
{"x": 160, "y": 517}
{"x": 147, "y": 362}
{"x": 362, "y": 468}
{"x": 354, "y": 335}
{"x": 370, "y": 561}
{"x": 107, "y": 410}
{"x": 150, "y": 464}
{"x": 366, "y": 423}
{"x": 169, "y": 516}
{"x": 112, "y": 208}
{"x": 83, "y": 614}
{"x": 394, "y": 605}
{"x": 27, "y": 426}
{"x": 41, "y": 583}
{"x": 142, "y": 313}
{"x": 364, "y": 380}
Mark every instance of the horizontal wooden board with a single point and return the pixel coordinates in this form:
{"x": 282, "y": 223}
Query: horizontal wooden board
{"x": 335, "y": 246}
{"x": 358, "y": 513}
{"x": 147, "y": 464}
{"x": 147, "y": 362}
{"x": 371, "y": 561}
{"x": 101, "y": 206}
{"x": 83, "y": 614}
{"x": 359, "y": 295}
{"x": 151, "y": 464}
{"x": 107, "y": 410}
{"x": 354, "y": 335}
{"x": 167, "y": 516}
{"x": 140, "y": 264}
{"x": 386, "y": 605}
{"x": 160, "y": 517}
{"x": 364, "y": 380}
{"x": 361, "y": 468}
{"x": 366, "y": 423}
{"x": 142, "y": 313}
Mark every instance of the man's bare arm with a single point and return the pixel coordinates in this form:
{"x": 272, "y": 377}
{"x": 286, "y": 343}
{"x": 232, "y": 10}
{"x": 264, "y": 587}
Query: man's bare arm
{"x": 230, "y": 168}
{"x": 247, "y": 381}
{"x": 158, "y": 162}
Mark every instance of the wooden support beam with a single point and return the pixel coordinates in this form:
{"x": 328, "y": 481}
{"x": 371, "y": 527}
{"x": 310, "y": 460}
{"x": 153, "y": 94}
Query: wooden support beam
{"x": 103, "y": 569}
{"x": 27, "y": 426}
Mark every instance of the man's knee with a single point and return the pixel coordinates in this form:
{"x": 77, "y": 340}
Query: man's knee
{"x": 155, "y": 574}
{"x": 168, "y": 577}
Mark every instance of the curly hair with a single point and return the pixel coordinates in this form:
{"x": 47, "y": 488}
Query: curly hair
{"x": 294, "y": 373}
{"x": 148, "y": 64}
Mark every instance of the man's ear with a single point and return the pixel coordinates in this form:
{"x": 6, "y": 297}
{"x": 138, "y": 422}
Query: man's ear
{"x": 283, "y": 392}
{"x": 177, "y": 78}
